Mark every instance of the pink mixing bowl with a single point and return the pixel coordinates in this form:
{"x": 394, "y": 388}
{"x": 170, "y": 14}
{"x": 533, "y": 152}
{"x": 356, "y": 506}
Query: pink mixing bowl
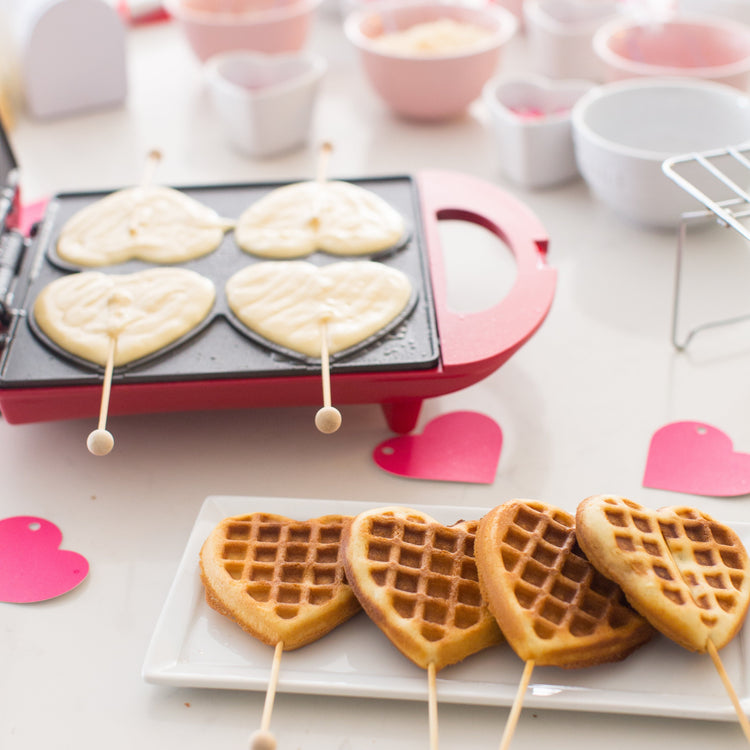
{"x": 211, "y": 29}
{"x": 437, "y": 86}
{"x": 695, "y": 46}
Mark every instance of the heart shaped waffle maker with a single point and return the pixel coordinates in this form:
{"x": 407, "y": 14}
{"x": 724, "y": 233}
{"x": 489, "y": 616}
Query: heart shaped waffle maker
{"x": 553, "y": 607}
{"x": 417, "y": 580}
{"x": 279, "y": 579}
{"x": 686, "y": 573}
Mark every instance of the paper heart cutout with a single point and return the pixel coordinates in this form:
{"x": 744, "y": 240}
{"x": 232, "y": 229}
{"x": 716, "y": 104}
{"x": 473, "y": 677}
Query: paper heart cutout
{"x": 687, "y": 574}
{"x": 417, "y": 580}
{"x": 552, "y": 605}
{"x": 147, "y": 222}
{"x": 329, "y": 215}
{"x": 287, "y": 302}
{"x": 145, "y": 311}
{"x": 279, "y": 579}
{"x": 462, "y": 446}
{"x": 696, "y": 458}
{"x": 33, "y": 568}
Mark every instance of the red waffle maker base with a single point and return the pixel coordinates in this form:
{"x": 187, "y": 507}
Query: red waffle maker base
{"x": 472, "y": 345}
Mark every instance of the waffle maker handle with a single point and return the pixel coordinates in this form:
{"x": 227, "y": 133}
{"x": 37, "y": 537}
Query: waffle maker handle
{"x": 485, "y": 339}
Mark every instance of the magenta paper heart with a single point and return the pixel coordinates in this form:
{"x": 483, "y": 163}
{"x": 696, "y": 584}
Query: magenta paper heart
{"x": 32, "y": 565}
{"x": 698, "y": 459}
{"x": 463, "y": 446}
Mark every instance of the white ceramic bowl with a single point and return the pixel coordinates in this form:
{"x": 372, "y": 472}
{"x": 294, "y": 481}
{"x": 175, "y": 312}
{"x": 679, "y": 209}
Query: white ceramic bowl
{"x": 265, "y": 102}
{"x": 623, "y": 131}
{"x": 281, "y": 28}
{"x": 695, "y": 45}
{"x": 435, "y": 86}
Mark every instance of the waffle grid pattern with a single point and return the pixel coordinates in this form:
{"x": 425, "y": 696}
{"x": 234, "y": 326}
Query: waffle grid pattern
{"x": 429, "y": 572}
{"x": 555, "y": 582}
{"x": 288, "y": 565}
{"x": 707, "y": 557}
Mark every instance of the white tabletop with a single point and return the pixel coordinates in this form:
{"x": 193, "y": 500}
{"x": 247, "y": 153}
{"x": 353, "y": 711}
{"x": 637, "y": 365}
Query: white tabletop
{"x": 577, "y": 405}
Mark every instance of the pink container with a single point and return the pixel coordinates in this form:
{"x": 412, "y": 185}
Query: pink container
{"x": 437, "y": 86}
{"x": 283, "y": 27}
{"x": 696, "y": 46}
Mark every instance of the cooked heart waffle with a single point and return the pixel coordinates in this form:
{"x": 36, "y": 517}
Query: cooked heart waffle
{"x": 686, "y": 573}
{"x": 417, "y": 580}
{"x": 279, "y": 579}
{"x": 552, "y": 605}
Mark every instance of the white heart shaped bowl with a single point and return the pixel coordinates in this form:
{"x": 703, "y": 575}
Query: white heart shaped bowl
{"x": 265, "y": 102}
{"x": 695, "y": 45}
{"x": 623, "y": 132}
{"x": 530, "y": 117}
{"x": 280, "y": 28}
{"x": 438, "y": 85}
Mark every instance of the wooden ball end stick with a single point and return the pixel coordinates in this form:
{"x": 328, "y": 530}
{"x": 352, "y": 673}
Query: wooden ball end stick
{"x": 327, "y": 418}
{"x": 263, "y": 739}
{"x": 100, "y": 441}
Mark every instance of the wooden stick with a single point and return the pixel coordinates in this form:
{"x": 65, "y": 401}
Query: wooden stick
{"x": 152, "y": 162}
{"x": 744, "y": 723}
{"x": 327, "y": 418}
{"x": 263, "y": 739}
{"x": 515, "y": 711}
{"x": 100, "y": 442}
{"x": 326, "y": 149}
{"x": 432, "y": 705}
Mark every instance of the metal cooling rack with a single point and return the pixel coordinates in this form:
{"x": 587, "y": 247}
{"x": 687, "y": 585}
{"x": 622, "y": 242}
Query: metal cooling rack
{"x": 730, "y": 212}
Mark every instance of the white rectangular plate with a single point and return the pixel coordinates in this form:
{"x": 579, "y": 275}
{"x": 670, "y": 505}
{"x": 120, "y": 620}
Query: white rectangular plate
{"x": 193, "y": 646}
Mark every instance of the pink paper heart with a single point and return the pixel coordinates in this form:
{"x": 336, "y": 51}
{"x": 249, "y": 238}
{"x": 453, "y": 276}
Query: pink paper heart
{"x": 462, "y": 446}
{"x": 698, "y": 459}
{"x": 32, "y": 565}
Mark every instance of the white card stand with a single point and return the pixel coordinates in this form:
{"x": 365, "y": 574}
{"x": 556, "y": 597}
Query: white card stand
{"x": 71, "y": 56}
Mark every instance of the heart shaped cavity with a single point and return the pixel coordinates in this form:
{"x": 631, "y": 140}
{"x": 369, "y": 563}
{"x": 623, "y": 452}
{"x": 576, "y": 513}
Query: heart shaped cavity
{"x": 144, "y": 311}
{"x": 552, "y": 605}
{"x": 33, "y": 568}
{"x": 293, "y": 304}
{"x": 281, "y": 580}
{"x": 688, "y": 574}
{"x": 457, "y": 447}
{"x": 147, "y": 222}
{"x": 417, "y": 581}
{"x": 335, "y": 217}
{"x": 696, "y": 458}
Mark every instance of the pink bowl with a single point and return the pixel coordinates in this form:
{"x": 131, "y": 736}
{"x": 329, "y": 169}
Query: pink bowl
{"x": 696, "y": 46}
{"x": 433, "y": 87}
{"x": 272, "y": 26}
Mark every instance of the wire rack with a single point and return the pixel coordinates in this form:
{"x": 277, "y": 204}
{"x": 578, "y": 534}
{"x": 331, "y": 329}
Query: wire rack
{"x": 721, "y": 174}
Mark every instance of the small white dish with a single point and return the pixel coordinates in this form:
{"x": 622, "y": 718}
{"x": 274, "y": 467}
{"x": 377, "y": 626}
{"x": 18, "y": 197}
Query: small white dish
{"x": 560, "y": 32}
{"x": 530, "y": 116}
{"x": 265, "y": 102}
